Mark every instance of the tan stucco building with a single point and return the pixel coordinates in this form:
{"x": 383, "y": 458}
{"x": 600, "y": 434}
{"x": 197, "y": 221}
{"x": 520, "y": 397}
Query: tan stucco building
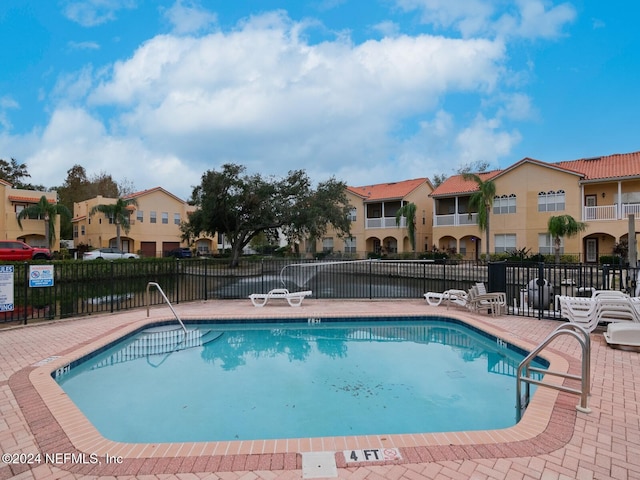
{"x": 155, "y": 224}
{"x": 12, "y": 202}
{"x": 373, "y": 219}
{"x": 600, "y": 191}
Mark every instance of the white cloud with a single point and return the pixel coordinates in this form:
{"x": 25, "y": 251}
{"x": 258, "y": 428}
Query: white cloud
{"x": 387, "y": 29}
{"x": 262, "y": 96}
{"x": 83, "y": 45}
{"x": 74, "y": 86}
{"x": 539, "y": 19}
{"x": 517, "y": 106}
{"x": 90, "y": 13}
{"x": 485, "y": 141}
{"x": 7, "y": 103}
{"x": 74, "y": 137}
{"x": 189, "y": 17}
{"x": 522, "y": 18}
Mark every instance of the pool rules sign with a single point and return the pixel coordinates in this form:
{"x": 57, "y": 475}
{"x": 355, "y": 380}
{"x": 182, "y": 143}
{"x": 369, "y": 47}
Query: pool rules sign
{"x": 6, "y": 288}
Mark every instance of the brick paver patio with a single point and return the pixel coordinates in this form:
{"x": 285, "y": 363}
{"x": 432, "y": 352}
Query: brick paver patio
{"x": 553, "y": 441}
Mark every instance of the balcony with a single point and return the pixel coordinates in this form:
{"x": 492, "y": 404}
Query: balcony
{"x": 455, "y": 219}
{"x": 385, "y": 222}
{"x": 610, "y": 212}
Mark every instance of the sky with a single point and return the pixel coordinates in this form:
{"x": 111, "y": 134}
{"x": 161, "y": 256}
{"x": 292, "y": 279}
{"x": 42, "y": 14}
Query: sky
{"x": 155, "y": 93}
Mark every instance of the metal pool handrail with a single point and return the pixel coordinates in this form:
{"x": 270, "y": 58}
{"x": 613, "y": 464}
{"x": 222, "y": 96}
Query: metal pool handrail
{"x": 154, "y": 284}
{"x": 582, "y": 336}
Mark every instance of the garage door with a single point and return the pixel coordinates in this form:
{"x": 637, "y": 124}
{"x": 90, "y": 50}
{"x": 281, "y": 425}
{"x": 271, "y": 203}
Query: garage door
{"x": 168, "y": 246}
{"x": 148, "y": 249}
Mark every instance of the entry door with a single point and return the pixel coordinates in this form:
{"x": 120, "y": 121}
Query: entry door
{"x": 591, "y": 247}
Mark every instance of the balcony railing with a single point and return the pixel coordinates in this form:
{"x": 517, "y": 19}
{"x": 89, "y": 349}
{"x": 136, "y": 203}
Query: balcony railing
{"x": 385, "y": 222}
{"x": 610, "y": 212}
{"x": 630, "y": 208}
{"x": 455, "y": 219}
{"x": 603, "y": 212}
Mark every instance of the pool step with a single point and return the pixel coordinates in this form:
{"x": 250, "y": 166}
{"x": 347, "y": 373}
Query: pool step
{"x": 161, "y": 341}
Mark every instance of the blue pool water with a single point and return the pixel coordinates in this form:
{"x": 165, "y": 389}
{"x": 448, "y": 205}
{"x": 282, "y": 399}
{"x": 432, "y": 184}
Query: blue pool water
{"x": 229, "y": 381}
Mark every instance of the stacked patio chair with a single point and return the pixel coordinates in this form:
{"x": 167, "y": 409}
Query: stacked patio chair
{"x": 604, "y": 306}
{"x": 490, "y": 302}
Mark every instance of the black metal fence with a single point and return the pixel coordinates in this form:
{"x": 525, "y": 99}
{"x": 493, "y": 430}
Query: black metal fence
{"x": 85, "y": 288}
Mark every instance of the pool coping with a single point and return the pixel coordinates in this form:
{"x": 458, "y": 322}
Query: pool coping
{"x": 59, "y": 426}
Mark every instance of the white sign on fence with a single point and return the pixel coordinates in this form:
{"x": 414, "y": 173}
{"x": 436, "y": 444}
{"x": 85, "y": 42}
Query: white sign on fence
{"x": 41, "y": 275}
{"x": 6, "y": 288}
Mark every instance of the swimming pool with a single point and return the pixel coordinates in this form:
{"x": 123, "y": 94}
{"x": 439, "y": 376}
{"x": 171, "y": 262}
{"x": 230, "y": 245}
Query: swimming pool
{"x": 292, "y": 379}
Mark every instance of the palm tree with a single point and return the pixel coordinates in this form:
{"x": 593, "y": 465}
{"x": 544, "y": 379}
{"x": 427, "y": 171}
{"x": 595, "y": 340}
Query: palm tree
{"x": 408, "y": 211}
{"x": 48, "y": 212}
{"x": 563, "y": 226}
{"x": 119, "y": 212}
{"x": 482, "y": 201}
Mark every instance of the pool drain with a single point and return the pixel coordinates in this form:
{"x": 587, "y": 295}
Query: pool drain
{"x": 319, "y": 465}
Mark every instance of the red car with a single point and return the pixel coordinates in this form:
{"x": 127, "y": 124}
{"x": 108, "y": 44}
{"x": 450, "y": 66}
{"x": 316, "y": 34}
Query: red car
{"x": 14, "y": 250}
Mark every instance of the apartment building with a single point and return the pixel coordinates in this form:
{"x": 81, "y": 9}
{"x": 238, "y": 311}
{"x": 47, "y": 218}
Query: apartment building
{"x": 155, "y": 224}
{"x": 600, "y": 191}
{"x": 12, "y": 202}
{"x": 373, "y": 219}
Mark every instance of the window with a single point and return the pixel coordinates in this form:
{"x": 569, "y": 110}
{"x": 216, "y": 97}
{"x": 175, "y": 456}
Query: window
{"x": 350, "y": 245}
{"x": 505, "y": 242}
{"x": 140, "y": 216}
{"x": 75, "y": 231}
{"x": 504, "y": 204}
{"x": 327, "y": 244}
{"x": 352, "y": 214}
{"x": 82, "y": 232}
{"x": 165, "y": 218}
{"x": 152, "y": 217}
{"x": 19, "y": 208}
{"x": 545, "y": 244}
{"x": 176, "y": 219}
{"x": 551, "y": 201}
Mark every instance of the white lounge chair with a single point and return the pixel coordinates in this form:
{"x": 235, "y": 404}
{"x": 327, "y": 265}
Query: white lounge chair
{"x": 293, "y": 298}
{"x": 605, "y": 306}
{"x": 458, "y": 297}
{"x": 579, "y": 310}
{"x": 625, "y": 336}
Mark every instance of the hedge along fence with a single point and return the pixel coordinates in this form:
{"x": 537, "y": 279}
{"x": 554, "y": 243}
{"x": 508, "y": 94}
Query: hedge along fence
{"x": 90, "y": 287}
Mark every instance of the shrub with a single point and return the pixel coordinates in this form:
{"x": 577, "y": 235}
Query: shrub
{"x": 610, "y": 260}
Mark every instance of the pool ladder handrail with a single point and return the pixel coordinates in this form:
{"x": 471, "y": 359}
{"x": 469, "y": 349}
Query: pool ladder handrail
{"x": 582, "y": 336}
{"x": 175, "y": 314}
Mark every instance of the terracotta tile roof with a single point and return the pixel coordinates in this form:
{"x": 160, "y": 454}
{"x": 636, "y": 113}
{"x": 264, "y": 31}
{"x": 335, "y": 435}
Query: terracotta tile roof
{"x": 456, "y": 184}
{"x": 386, "y": 191}
{"x": 611, "y": 166}
{"x": 16, "y": 198}
{"x": 597, "y": 168}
